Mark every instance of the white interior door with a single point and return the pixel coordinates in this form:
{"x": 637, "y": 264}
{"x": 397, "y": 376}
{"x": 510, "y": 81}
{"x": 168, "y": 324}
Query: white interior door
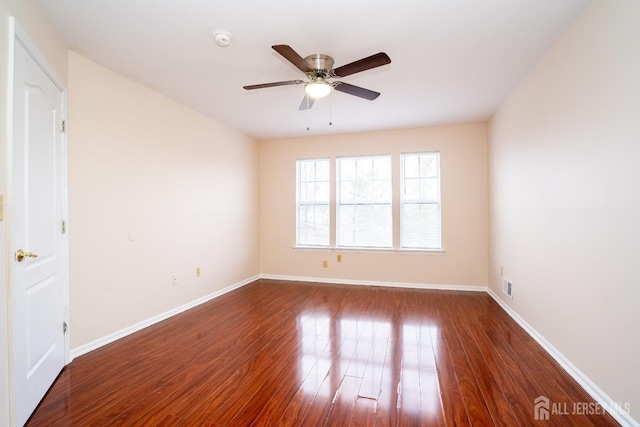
{"x": 38, "y": 270}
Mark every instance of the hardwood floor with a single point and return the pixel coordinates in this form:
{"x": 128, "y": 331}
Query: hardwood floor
{"x": 288, "y": 354}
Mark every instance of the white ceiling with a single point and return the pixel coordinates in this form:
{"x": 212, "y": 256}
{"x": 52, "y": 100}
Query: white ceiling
{"x": 453, "y": 61}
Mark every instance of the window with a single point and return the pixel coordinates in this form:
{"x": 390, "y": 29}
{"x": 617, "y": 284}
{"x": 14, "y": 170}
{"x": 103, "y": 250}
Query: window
{"x": 420, "y": 201}
{"x": 313, "y": 195}
{"x": 364, "y": 202}
{"x": 366, "y": 198}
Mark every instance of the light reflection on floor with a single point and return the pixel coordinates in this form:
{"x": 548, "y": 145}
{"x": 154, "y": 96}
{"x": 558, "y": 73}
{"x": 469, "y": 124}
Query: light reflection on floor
{"x": 391, "y": 362}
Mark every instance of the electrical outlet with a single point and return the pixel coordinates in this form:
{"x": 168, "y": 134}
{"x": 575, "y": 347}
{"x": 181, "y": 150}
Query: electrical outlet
{"x": 501, "y": 271}
{"x": 339, "y": 258}
{"x": 197, "y": 271}
{"x": 174, "y": 280}
{"x": 325, "y": 263}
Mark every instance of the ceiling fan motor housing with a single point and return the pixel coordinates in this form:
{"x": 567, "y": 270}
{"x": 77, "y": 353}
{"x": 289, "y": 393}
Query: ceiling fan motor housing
{"x": 321, "y": 65}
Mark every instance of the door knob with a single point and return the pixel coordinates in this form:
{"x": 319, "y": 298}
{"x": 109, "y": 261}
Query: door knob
{"x": 20, "y": 255}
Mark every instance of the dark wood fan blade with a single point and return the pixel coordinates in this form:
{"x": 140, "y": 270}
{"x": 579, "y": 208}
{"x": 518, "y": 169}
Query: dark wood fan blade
{"x": 307, "y": 103}
{"x": 356, "y": 90}
{"x": 292, "y": 56}
{"x": 363, "y": 64}
{"x": 263, "y": 85}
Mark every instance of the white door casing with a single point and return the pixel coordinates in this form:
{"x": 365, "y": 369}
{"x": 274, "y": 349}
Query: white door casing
{"x": 38, "y": 204}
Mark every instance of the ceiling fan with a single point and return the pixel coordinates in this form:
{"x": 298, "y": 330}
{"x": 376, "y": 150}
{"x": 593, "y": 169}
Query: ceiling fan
{"x": 319, "y": 69}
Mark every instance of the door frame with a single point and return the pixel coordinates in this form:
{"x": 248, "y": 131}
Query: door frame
{"x": 17, "y": 34}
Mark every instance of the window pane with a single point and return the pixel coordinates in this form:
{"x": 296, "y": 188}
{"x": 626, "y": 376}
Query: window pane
{"x": 429, "y": 189}
{"x": 322, "y": 191}
{"x": 428, "y": 165}
{"x": 307, "y": 171}
{"x": 348, "y": 169}
{"x": 411, "y": 166}
{"x": 347, "y": 226}
{"x": 365, "y": 226}
{"x": 380, "y": 191}
{"x": 313, "y": 225}
{"x": 420, "y": 226}
{"x": 307, "y": 192}
{"x": 322, "y": 170}
{"x": 382, "y": 168}
{"x": 364, "y": 168}
{"x": 411, "y": 189}
{"x": 347, "y": 192}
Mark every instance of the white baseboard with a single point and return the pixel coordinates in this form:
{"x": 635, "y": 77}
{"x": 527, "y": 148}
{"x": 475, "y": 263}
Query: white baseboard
{"x": 93, "y": 345}
{"x": 624, "y": 418}
{"x": 468, "y": 288}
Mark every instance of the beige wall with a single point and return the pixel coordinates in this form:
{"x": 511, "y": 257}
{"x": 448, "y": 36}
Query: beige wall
{"x": 565, "y": 202}
{"x": 463, "y": 160}
{"x": 31, "y": 17}
{"x": 182, "y": 186}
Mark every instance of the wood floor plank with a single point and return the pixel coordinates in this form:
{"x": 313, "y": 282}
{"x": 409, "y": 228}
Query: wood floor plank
{"x": 344, "y": 402}
{"x": 409, "y": 405}
{"x": 363, "y": 412}
{"x": 313, "y": 366}
{"x": 372, "y": 374}
{"x": 453, "y": 404}
{"x": 276, "y": 353}
{"x": 521, "y": 405}
{"x": 475, "y": 404}
{"x": 387, "y": 406}
{"x": 501, "y": 411}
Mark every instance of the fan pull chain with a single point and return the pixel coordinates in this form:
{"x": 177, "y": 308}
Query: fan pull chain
{"x": 330, "y": 104}
{"x": 307, "y": 99}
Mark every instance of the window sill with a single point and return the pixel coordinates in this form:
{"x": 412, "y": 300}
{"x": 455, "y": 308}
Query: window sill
{"x": 401, "y": 251}
{"x": 410, "y": 251}
{"x": 313, "y": 248}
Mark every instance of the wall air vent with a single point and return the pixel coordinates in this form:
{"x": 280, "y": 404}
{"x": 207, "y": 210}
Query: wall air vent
{"x": 507, "y": 288}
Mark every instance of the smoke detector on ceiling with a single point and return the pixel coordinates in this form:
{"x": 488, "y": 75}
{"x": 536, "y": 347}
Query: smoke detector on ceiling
{"x": 222, "y": 37}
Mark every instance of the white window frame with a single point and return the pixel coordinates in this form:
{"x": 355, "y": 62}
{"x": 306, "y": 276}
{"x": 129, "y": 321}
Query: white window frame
{"x": 340, "y": 203}
{"x": 300, "y": 203}
{"x": 434, "y": 201}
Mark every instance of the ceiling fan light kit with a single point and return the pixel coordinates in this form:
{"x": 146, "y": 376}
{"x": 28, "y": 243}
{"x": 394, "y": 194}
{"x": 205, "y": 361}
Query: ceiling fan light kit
{"x": 319, "y": 69}
{"x": 317, "y": 88}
